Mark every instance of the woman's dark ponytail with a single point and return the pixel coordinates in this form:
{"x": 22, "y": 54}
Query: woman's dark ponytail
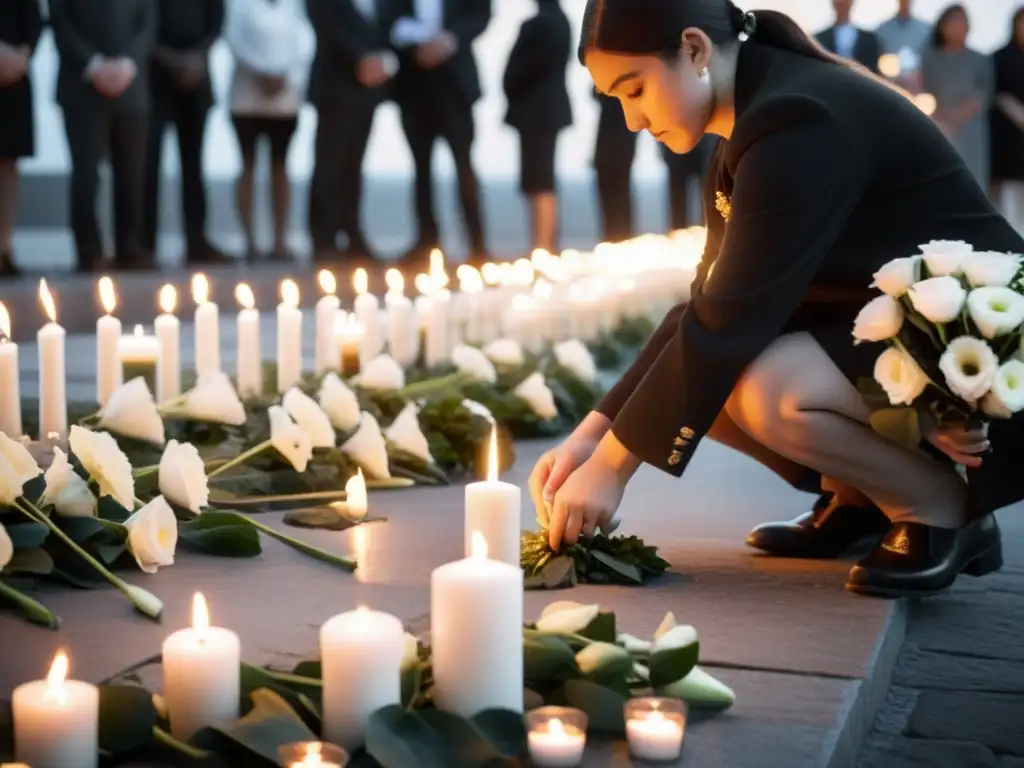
{"x": 777, "y": 30}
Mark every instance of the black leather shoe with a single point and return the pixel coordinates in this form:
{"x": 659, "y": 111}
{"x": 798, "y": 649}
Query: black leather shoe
{"x": 7, "y": 266}
{"x": 828, "y": 530}
{"x": 917, "y": 560}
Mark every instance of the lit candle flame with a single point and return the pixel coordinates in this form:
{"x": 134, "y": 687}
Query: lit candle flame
{"x": 290, "y": 293}
{"x": 327, "y": 282}
{"x": 313, "y": 756}
{"x": 492, "y": 456}
{"x": 506, "y": 274}
{"x": 395, "y": 281}
{"x": 168, "y": 299}
{"x": 200, "y": 615}
{"x": 555, "y": 726}
{"x": 108, "y": 297}
{"x": 424, "y": 284}
{"x": 542, "y": 289}
{"x": 56, "y": 690}
{"x": 437, "y": 270}
{"x": 478, "y": 546}
{"x": 139, "y": 332}
{"x": 360, "y": 281}
{"x": 243, "y": 295}
{"x": 523, "y": 272}
{"x": 355, "y": 496}
{"x": 49, "y": 307}
{"x": 491, "y": 273}
{"x": 200, "y": 288}
{"x": 5, "y": 322}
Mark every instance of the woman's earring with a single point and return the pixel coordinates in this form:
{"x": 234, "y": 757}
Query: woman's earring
{"x": 704, "y": 76}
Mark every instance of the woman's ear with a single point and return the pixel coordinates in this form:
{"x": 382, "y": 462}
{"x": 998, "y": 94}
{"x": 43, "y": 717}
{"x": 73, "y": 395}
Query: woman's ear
{"x": 696, "y": 45}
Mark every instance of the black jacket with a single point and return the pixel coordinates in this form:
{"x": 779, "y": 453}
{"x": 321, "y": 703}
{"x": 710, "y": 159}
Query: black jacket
{"x": 821, "y": 193}
{"x": 186, "y": 25}
{"x": 867, "y": 49}
{"x": 343, "y": 36}
{"x": 534, "y": 81}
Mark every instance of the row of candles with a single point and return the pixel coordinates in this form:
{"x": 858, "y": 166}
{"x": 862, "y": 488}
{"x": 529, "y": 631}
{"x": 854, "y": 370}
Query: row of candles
{"x": 477, "y": 659}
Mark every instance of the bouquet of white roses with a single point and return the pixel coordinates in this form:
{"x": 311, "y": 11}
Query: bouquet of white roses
{"x": 952, "y": 318}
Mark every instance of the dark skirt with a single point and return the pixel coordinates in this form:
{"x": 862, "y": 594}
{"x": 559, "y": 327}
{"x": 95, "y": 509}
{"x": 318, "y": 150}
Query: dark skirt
{"x": 17, "y": 129}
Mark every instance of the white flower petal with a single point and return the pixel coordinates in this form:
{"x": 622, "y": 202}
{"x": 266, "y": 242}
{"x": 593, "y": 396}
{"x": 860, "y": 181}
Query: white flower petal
{"x": 472, "y": 361}
{"x": 382, "y": 374}
{"x": 153, "y": 535}
{"x": 900, "y": 376}
{"x": 182, "y": 476}
{"x": 368, "y": 449}
{"x": 895, "y": 277}
{"x": 405, "y": 433}
{"x": 214, "y": 399}
{"x": 880, "y": 319}
{"x": 991, "y": 269}
{"x": 6, "y": 547}
{"x": 289, "y": 439}
{"x": 103, "y": 460}
{"x": 996, "y": 311}
{"x": 22, "y": 464}
{"x": 68, "y": 493}
{"x": 310, "y": 416}
{"x": 969, "y": 366}
{"x": 567, "y": 617}
{"x": 945, "y": 257}
{"x": 938, "y": 299}
{"x": 535, "y": 391}
{"x": 478, "y": 409}
{"x": 505, "y": 352}
{"x": 1007, "y": 394}
{"x": 339, "y": 403}
{"x": 575, "y": 356}
{"x": 131, "y": 412}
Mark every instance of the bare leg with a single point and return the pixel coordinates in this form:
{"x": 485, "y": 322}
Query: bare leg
{"x": 281, "y": 197}
{"x": 544, "y": 221}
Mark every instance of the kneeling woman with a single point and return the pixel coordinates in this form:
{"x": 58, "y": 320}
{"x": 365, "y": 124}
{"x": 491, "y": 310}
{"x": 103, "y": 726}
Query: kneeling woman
{"x": 825, "y": 174}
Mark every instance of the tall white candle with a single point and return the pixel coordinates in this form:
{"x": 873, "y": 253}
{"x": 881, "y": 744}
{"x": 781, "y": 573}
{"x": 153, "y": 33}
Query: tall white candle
{"x": 348, "y": 338}
{"x": 493, "y": 509}
{"x": 434, "y": 307}
{"x": 168, "y": 331}
{"x": 402, "y": 327}
{"x": 201, "y": 674}
{"x": 361, "y": 654}
{"x": 326, "y": 310}
{"x": 207, "y": 330}
{"x": 367, "y": 311}
{"x": 56, "y": 720}
{"x": 139, "y": 354}
{"x": 289, "y": 337}
{"x": 53, "y": 403}
{"x": 248, "y": 356}
{"x": 108, "y": 336}
{"x": 476, "y": 627}
{"x": 10, "y": 383}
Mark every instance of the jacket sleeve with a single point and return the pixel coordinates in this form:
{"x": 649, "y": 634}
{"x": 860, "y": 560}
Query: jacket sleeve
{"x": 530, "y": 55}
{"x": 337, "y": 23}
{"x": 470, "y": 22}
{"x": 73, "y": 47}
{"x": 796, "y": 180}
{"x": 140, "y": 46}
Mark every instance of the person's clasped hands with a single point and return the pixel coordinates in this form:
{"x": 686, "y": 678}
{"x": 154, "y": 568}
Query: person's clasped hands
{"x": 112, "y": 77}
{"x": 437, "y": 50}
{"x": 13, "y": 64}
{"x": 961, "y": 443}
{"x": 376, "y": 69}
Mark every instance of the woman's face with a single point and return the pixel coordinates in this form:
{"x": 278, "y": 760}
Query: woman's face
{"x": 955, "y": 29}
{"x": 666, "y": 99}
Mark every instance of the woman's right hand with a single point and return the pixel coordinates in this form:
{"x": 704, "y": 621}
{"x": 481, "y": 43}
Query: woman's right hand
{"x": 962, "y": 445}
{"x": 556, "y": 465}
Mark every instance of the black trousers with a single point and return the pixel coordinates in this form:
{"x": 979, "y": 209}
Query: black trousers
{"x": 92, "y": 133}
{"x": 186, "y": 111}
{"x": 336, "y": 189}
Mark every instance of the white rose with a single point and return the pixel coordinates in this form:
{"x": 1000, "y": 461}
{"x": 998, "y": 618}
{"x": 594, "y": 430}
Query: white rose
{"x": 6, "y": 547}
{"x": 970, "y": 367}
{"x": 478, "y": 409}
{"x": 991, "y": 269}
{"x": 214, "y": 399}
{"x": 1007, "y": 394}
{"x": 368, "y": 449}
{"x": 535, "y": 391}
{"x": 310, "y": 416}
{"x": 575, "y": 356}
{"x": 68, "y": 493}
{"x": 383, "y": 374}
{"x": 153, "y": 535}
{"x": 996, "y": 311}
{"x": 939, "y": 299}
{"x": 289, "y": 439}
{"x": 405, "y": 432}
{"x": 339, "y": 402}
{"x": 183, "y": 476}
{"x": 900, "y": 376}
{"x": 103, "y": 461}
{"x": 880, "y": 319}
{"x": 945, "y": 257}
{"x": 472, "y": 361}
{"x": 896, "y": 276}
{"x": 505, "y": 352}
{"x": 22, "y": 466}
{"x": 131, "y": 412}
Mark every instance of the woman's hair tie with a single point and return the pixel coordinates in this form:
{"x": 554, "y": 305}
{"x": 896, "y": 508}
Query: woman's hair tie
{"x": 748, "y": 27}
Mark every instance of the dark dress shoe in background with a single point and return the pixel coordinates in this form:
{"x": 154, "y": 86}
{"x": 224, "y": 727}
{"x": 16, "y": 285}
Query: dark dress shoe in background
{"x": 207, "y": 254}
{"x": 7, "y": 266}
{"x": 829, "y": 530}
{"x": 917, "y": 560}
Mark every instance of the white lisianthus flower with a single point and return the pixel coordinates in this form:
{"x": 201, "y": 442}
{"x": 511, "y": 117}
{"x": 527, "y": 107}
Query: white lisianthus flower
{"x": 103, "y": 460}
{"x": 969, "y": 366}
{"x": 214, "y": 399}
{"x": 153, "y": 535}
{"x": 339, "y": 403}
{"x": 996, "y": 311}
{"x": 289, "y": 439}
{"x": 382, "y": 374}
{"x": 505, "y": 352}
{"x": 472, "y": 361}
{"x": 405, "y": 432}
{"x": 22, "y": 466}
{"x": 895, "y": 277}
{"x": 368, "y": 449}
{"x": 131, "y": 412}
{"x": 939, "y": 299}
{"x": 1007, "y": 394}
{"x": 986, "y": 268}
{"x": 535, "y": 391}
{"x": 6, "y": 547}
{"x": 182, "y": 476}
{"x": 946, "y": 257}
{"x": 10, "y": 488}
{"x": 880, "y": 319}
{"x": 567, "y": 617}
{"x": 575, "y": 356}
{"x": 310, "y": 416}
{"x": 900, "y": 376}
{"x": 68, "y": 493}
{"x": 479, "y": 409}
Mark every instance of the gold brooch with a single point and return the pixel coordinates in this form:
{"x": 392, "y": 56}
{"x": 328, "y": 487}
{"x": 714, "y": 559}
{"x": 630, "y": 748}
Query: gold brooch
{"x": 723, "y": 205}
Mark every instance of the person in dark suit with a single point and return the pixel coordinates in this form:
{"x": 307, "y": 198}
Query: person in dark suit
{"x": 436, "y": 87}
{"x": 20, "y": 26}
{"x": 808, "y": 196}
{"x": 538, "y": 108}
{"x": 182, "y": 97}
{"x": 850, "y": 42}
{"x": 352, "y": 67}
{"x": 103, "y": 89}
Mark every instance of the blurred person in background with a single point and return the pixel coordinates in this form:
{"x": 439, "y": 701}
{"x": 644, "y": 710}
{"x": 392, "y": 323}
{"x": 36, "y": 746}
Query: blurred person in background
{"x": 906, "y": 37}
{"x": 20, "y": 26}
{"x": 848, "y": 41}
{"x": 272, "y": 44}
{"x": 539, "y": 108}
{"x": 961, "y": 80}
{"x": 1007, "y": 125}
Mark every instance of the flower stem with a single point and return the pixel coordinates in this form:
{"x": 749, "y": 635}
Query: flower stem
{"x": 194, "y": 753}
{"x": 346, "y": 563}
{"x": 240, "y": 459}
{"x": 428, "y": 386}
{"x": 144, "y": 602}
{"x": 33, "y": 609}
{"x": 152, "y": 469}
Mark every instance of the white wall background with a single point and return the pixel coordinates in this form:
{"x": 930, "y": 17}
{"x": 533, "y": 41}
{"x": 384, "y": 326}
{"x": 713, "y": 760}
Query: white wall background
{"x": 496, "y": 148}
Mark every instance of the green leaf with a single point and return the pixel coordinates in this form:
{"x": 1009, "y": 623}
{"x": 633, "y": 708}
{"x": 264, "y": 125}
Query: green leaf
{"x": 301, "y": 697}
{"x": 548, "y": 659}
{"x": 602, "y": 628}
{"x": 504, "y": 729}
{"x": 627, "y": 571}
{"x": 700, "y": 690}
{"x": 556, "y": 573}
{"x": 34, "y": 610}
{"x": 32, "y": 561}
{"x": 603, "y": 662}
{"x": 215, "y": 535}
{"x": 901, "y": 425}
{"x": 327, "y": 518}
{"x": 604, "y": 706}
{"x": 674, "y": 655}
{"x": 126, "y": 719}
{"x": 108, "y": 509}
{"x": 28, "y": 535}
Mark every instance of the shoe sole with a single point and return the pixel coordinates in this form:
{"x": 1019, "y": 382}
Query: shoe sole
{"x": 860, "y": 547}
{"x": 989, "y": 561}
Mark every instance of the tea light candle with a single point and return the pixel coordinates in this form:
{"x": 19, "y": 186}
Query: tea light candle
{"x": 326, "y": 309}
{"x": 402, "y": 328}
{"x": 348, "y": 338}
{"x": 493, "y": 509}
{"x": 168, "y": 331}
{"x": 312, "y": 754}
{"x": 556, "y": 736}
{"x": 289, "y": 337}
{"x": 361, "y": 653}
{"x": 201, "y": 674}
{"x": 108, "y": 337}
{"x": 139, "y": 355}
{"x": 654, "y": 728}
{"x": 10, "y": 384}
{"x": 476, "y": 625}
{"x": 247, "y": 356}
{"x": 207, "y": 322}
{"x": 56, "y": 721}
{"x": 53, "y": 403}
{"x": 367, "y": 311}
